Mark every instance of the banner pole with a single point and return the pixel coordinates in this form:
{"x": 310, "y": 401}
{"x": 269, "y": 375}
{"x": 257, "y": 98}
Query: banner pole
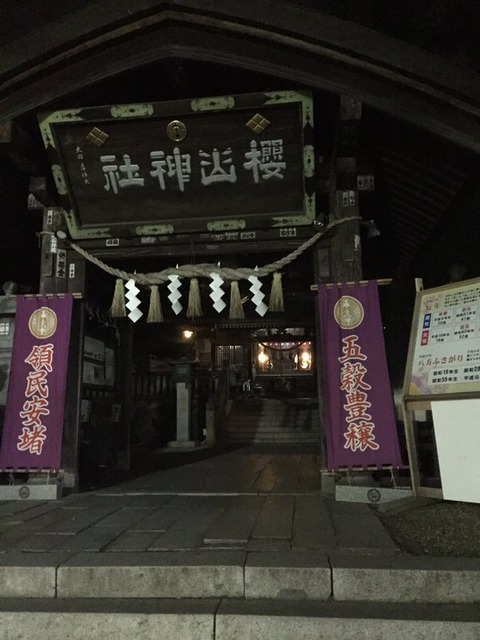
{"x": 329, "y": 285}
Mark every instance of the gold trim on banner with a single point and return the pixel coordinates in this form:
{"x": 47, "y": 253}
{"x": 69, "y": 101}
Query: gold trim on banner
{"x": 50, "y": 296}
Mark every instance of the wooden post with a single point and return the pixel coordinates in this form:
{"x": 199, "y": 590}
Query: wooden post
{"x": 57, "y": 275}
{"x": 71, "y": 427}
{"x": 346, "y": 254}
{"x": 339, "y": 259}
{"x": 49, "y": 243}
{"x": 124, "y": 392}
{"x": 62, "y": 270}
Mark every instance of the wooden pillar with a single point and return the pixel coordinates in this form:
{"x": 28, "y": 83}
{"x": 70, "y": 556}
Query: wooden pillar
{"x": 71, "y": 427}
{"x": 339, "y": 258}
{"x": 345, "y": 249}
{"x": 124, "y": 392}
{"x": 48, "y": 246}
{"x": 63, "y": 271}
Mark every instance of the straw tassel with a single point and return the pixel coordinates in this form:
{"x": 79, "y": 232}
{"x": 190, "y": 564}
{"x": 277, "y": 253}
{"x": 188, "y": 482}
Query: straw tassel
{"x": 118, "y": 310}
{"x": 276, "y": 294}
{"x": 236, "y": 308}
{"x": 194, "y": 309}
{"x": 155, "y": 313}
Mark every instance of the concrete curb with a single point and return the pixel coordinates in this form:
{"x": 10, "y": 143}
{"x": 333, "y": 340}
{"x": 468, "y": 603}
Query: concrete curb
{"x": 324, "y": 621}
{"x": 108, "y": 619}
{"x": 154, "y": 619}
{"x": 293, "y": 575}
{"x": 190, "y": 574}
{"x": 405, "y": 578}
{"x": 29, "y": 576}
{"x": 285, "y": 575}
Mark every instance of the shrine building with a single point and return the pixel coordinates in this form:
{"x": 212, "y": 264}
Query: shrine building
{"x": 192, "y": 172}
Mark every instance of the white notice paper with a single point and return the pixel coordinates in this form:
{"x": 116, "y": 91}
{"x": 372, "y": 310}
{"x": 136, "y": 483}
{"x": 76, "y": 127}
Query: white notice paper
{"x": 457, "y": 433}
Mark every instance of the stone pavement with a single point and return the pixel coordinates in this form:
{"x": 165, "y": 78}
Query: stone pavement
{"x": 225, "y": 548}
{"x": 249, "y": 499}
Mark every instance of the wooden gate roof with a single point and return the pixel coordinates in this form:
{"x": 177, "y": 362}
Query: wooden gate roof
{"x": 418, "y": 83}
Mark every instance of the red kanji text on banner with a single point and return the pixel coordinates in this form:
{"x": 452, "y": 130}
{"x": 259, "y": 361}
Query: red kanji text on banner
{"x": 360, "y": 421}
{"x": 33, "y": 426}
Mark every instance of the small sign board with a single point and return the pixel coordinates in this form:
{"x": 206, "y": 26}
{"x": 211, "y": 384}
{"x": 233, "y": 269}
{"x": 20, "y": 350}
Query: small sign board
{"x": 93, "y": 361}
{"x": 210, "y": 164}
{"x": 7, "y": 325}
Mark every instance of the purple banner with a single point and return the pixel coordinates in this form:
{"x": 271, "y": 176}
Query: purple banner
{"x": 360, "y": 421}
{"x": 33, "y": 426}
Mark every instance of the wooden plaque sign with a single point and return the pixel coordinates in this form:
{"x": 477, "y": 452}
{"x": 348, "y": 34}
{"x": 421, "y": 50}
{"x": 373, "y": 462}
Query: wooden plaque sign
{"x": 210, "y": 164}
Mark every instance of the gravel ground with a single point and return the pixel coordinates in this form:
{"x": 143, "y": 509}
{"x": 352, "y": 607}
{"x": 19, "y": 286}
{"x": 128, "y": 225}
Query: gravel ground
{"x": 435, "y": 529}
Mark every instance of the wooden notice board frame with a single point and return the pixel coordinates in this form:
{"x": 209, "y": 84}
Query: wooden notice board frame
{"x": 443, "y": 360}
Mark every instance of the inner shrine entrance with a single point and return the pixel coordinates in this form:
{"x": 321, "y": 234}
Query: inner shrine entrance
{"x": 190, "y": 234}
{"x": 223, "y": 188}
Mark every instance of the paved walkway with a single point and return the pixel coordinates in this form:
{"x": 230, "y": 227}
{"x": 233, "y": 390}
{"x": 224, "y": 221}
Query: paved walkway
{"x": 252, "y": 499}
{"x": 241, "y": 545}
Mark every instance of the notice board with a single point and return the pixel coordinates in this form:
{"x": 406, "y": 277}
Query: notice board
{"x": 444, "y": 352}
{"x": 443, "y": 375}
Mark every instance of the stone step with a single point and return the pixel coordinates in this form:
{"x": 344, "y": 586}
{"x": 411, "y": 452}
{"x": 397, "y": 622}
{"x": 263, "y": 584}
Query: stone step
{"x": 279, "y": 414}
{"x": 280, "y": 411}
{"x": 275, "y": 435}
{"x": 269, "y": 426}
{"x": 107, "y": 619}
{"x": 274, "y": 429}
{"x": 262, "y": 438}
{"x": 238, "y": 620}
{"x": 215, "y": 619}
{"x": 272, "y": 423}
{"x": 302, "y": 575}
{"x": 269, "y": 440}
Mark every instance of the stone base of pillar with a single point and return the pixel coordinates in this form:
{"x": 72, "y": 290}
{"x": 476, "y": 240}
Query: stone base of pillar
{"x": 182, "y": 444}
{"x": 70, "y": 480}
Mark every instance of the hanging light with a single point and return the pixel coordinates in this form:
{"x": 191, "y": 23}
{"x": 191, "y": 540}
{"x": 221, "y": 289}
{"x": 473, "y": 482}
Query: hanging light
{"x": 262, "y": 357}
{"x": 305, "y": 359}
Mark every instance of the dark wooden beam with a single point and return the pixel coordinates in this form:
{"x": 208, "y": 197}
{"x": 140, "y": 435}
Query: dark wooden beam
{"x": 208, "y": 245}
{"x": 296, "y": 44}
{"x": 38, "y": 187}
{"x": 16, "y": 144}
{"x": 177, "y": 78}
